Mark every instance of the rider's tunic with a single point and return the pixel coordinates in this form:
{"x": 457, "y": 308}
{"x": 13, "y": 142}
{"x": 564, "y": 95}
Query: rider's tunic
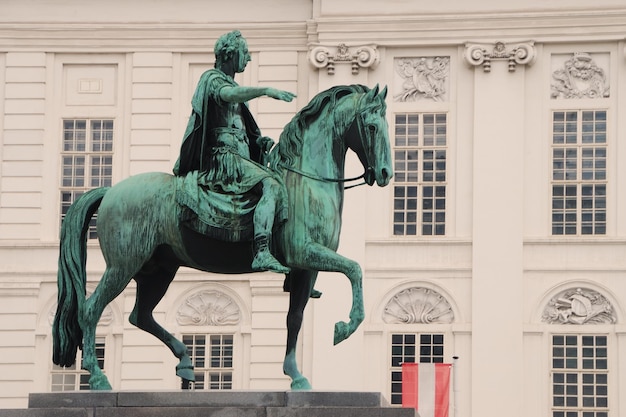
{"x": 220, "y": 153}
{"x": 220, "y": 140}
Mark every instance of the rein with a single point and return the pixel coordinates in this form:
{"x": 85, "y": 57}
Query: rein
{"x": 326, "y": 179}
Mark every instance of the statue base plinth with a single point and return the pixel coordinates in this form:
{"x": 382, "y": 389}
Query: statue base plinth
{"x": 209, "y": 404}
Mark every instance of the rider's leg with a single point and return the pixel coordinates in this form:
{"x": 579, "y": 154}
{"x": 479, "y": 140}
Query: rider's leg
{"x": 263, "y": 222}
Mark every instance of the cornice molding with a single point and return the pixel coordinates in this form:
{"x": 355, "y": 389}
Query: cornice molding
{"x": 123, "y": 37}
{"x": 455, "y": 29}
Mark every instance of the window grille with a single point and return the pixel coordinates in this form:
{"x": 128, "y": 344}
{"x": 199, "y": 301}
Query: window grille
{"x": 419, "y": 204}
{"x": 579, "y": 376}
{"x": 412, "y": 348}
{"x": 212, "y": 357}
{"x": 86, "y": 159}
{"x": 579, "y": 172}
{"x": 73, "y": 378}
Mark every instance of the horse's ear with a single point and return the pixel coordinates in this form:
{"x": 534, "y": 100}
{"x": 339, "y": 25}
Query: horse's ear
{"x": 371, "y": 94}
{"x": 383, "y": 93}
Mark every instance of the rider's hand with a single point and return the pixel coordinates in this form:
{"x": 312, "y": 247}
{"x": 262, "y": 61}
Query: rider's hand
{"x": 280, "y": 94}
{"x": 265, "y": 143}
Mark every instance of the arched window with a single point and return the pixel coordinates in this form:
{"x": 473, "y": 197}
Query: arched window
{"x": 209, "y": 323}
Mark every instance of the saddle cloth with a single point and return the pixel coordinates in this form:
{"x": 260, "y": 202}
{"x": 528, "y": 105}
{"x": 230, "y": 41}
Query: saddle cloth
{"x": 227, "y": 217}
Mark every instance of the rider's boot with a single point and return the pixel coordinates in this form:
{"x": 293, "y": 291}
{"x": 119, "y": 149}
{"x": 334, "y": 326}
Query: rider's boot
{"x": 263, "y": 259}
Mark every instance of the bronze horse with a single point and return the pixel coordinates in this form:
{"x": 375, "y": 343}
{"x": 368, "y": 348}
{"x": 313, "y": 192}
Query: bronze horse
{"x": 142, "y": 236}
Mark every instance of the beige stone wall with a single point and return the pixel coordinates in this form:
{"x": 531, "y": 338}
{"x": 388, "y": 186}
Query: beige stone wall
{"x": 498, "y": 266}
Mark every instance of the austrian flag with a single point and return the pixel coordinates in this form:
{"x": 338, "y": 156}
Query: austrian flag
{"x": 426, "y": 387}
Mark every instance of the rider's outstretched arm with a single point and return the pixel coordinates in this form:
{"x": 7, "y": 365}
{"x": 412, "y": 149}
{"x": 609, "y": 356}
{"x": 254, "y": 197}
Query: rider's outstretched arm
{"x": 242, "y": 94}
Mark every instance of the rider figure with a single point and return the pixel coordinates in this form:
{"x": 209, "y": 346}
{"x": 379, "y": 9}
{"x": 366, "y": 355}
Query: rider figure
{"x": 223, "y": 143}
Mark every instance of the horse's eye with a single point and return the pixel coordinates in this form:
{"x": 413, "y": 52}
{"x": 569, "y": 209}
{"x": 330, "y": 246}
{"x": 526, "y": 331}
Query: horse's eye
{"x": 372, "y": 128}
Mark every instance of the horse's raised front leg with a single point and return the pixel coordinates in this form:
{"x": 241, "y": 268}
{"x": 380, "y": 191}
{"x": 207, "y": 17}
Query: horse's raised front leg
{"x": 321, "y": 258}
{"x": 301, "y": 283}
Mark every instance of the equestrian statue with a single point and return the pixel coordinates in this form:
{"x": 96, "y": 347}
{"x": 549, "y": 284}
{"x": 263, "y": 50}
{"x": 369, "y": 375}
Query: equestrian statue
{"x": 237, "y": 203}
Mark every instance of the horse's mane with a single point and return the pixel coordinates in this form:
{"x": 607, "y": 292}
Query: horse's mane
{"x": 291, "y": 139}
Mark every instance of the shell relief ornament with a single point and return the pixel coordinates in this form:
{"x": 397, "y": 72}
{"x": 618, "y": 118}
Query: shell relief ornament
{"x": 422, "y": 78}
{"x": 579, "y": 77}
{"x": 579, "y": 306}
{"x": 208, "y": 308}
{"x": 418, "y": 305}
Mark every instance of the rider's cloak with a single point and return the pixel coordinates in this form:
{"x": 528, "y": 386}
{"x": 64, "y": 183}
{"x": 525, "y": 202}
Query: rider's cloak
{"x": 196, "y": 148}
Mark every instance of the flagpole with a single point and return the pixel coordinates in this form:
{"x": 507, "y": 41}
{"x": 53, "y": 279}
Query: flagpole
{"x": 455, "y": 385}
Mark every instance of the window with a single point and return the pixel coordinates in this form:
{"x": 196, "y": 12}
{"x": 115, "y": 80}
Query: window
{"x": 72, "y": 378}
{"x": 411, "y": 348}
{"x": 579, "y": 177}
{"x": 86, "y": 159}
{"x": 579, "y": 376}
{"x": 419, "y": 203}
{"x": 212, "y": 358}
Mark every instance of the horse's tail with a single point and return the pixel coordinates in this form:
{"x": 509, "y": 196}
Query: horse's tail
{"x": 67, "y": 335}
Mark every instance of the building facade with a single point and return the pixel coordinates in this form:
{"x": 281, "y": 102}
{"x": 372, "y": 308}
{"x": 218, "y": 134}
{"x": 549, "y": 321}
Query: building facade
{"x": 501, "y": 240}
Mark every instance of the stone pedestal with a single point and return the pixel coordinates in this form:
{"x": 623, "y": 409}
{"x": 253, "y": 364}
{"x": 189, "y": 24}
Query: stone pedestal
{"x": 209, "y": 404}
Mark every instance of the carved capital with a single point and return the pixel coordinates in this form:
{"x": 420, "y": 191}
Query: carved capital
{"x": 365, "y": 56}
{"x": 516, "y": 54}
{"x": 208, "y": 308}
{"x": 579, "y": 306}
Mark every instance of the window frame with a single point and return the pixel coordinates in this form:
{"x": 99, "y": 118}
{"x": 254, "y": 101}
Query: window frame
{"x": 71, "y": 186}
{"x": 81, "y": 381}
{"x": 418, "y": 330}
{"x": 419, "y": 183}
{"x": 234, "y": 376}
{"x": 579, "y": 410}
{"x": 579, "y": 182}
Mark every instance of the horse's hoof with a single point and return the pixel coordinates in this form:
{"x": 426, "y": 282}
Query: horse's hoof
{"x": 99, "y": 383}
{"x": 341, "y": 332}
{"x": 186, "y": 373}
{"x": 185, "y": 384}
{"x": 300, "y": 384}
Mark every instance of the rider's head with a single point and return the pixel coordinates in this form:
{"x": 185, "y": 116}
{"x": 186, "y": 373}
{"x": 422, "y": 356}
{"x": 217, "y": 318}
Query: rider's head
{"x": 232, "y": 45}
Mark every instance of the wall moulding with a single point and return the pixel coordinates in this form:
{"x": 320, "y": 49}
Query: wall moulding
{"x": 364, "y": 56}
{"x": 515, "y": 54}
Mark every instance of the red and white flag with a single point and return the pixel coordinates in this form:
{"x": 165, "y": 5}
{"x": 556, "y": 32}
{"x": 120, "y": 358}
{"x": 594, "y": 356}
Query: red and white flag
{"x": 426, "y": 387}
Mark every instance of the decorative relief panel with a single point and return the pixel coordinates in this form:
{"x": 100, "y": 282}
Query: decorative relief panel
{"x": 579, "y": 306}
{"x": 580, "y": 76}
{"x": 365, "y": 56}
{"x": 516, "y": 54}
{"x": 208, "y": 308}
{"x": 421, "y": 78}
{"x": 418, "y": 305}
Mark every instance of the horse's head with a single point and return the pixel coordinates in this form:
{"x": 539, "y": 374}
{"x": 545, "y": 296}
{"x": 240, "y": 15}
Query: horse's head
{"x": 373, "y": 149}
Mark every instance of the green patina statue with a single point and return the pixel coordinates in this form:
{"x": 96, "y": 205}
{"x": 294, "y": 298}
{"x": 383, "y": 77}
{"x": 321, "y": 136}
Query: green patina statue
{"x": 224, "y": 144}
{"x": 232, "y": 207}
